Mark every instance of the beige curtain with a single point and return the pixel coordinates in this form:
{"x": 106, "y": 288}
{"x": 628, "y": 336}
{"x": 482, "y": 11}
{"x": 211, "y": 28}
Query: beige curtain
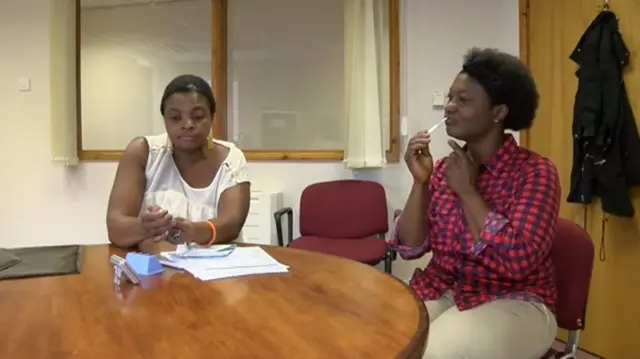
{"x": 64, "y": 148}
{"x": 366, "y": 83}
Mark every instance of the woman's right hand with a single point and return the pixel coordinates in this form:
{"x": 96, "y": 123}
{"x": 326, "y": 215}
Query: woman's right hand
{"x": 156, "y": 222}
{"x": 418, "y": 157}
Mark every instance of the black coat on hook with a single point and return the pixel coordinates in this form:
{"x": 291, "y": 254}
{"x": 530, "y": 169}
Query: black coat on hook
{"x": 606, "y": 145}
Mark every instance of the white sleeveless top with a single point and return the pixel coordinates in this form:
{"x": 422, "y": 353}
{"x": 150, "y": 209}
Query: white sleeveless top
{"x": 167, "y": 189}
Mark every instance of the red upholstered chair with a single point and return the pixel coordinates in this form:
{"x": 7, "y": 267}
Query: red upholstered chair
{"x": 572, "y": 254}
{"x": 346, "y": 218}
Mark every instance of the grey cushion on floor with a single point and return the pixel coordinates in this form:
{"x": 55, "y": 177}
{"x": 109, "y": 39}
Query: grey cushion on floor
{"x": 44, "y": 261}
{"x": 7, "y": 259}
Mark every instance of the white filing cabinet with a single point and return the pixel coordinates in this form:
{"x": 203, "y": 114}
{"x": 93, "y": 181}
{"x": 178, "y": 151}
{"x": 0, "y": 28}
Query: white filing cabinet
{"x": 260, "y": 226}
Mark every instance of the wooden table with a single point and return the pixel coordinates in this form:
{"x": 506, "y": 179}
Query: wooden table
{"x": 325, "y": 307}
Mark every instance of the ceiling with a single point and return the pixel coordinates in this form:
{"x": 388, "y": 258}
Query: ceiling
{"x": 172, "y": 30}
{"x": 180, "y": 30}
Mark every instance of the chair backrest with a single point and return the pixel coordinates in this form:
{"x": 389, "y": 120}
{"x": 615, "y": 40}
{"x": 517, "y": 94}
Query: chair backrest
{"x": 572, "y": 254}
{"x": 343, "y": 209}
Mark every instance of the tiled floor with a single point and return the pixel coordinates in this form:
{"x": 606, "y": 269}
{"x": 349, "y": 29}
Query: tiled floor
{"x": 581, "y": 354}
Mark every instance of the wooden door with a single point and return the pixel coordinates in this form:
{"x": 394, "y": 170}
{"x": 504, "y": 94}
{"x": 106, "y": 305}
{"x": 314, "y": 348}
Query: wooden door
{"x": 550, "y": 31}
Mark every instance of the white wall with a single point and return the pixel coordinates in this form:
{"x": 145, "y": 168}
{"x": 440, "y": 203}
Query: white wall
{"x": 43, "y": 204}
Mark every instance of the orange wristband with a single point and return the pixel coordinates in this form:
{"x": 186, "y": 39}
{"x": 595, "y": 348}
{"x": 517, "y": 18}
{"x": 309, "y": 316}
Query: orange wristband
{"x": 213, "y": 233}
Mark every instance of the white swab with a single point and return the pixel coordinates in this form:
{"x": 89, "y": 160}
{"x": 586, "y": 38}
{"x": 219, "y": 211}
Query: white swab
{"x": 435, "y": 127}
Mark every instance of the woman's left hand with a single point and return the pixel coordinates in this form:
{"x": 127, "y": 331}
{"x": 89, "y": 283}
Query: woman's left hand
{"x": 460, "y": 171}
{"x": 186, "y": 230}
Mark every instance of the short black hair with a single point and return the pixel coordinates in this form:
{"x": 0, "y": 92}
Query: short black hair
{"x": 189, "y": 83}
{"x": 507, "y": 81}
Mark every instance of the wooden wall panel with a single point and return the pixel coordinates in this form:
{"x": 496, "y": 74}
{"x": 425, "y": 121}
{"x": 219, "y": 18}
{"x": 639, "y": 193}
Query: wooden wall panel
{"x": 553, "y": 28}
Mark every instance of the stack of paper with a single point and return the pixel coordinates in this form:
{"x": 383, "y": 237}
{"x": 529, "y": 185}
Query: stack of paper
{"x": 223, "y": 262}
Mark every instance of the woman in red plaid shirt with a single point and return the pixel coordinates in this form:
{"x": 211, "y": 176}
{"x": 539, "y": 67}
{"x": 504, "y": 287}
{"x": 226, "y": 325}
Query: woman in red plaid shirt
{"x": 487, "y": 213}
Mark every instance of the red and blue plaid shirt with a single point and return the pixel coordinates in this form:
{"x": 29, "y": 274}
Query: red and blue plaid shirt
{"x": 510, "y": 260}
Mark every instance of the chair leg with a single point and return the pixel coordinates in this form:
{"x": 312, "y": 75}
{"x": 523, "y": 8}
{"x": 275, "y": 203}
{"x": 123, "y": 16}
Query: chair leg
{"x": 571, "y": 346}
{"x": 387, "y": 262}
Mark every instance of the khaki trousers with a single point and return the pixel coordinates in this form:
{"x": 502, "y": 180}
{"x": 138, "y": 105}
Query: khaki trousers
{"x": 501, "y": 329}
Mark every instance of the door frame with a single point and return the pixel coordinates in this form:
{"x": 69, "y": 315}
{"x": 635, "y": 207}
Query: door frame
{"x": 523, "y": 25}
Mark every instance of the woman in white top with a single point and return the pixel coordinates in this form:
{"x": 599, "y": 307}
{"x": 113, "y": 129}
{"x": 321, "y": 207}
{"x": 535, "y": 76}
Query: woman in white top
{"x": 183, "y": 181}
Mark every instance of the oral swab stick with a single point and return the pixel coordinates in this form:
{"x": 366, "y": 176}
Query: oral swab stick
{"x": 435, "y": 127}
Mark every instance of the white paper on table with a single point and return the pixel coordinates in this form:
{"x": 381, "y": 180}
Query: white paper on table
{"x": 195, "y": 251}
{"x": 213, "y": 274}
{"x": 241, "y": 257}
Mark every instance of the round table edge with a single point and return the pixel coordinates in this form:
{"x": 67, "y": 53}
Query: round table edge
{"x": 418, "y": 343}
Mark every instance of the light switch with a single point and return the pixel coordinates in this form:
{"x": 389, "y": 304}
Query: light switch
{"x": 404, "y": 126}
{"x": 438, "y": 99}
{"x": 24, "y": 84}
